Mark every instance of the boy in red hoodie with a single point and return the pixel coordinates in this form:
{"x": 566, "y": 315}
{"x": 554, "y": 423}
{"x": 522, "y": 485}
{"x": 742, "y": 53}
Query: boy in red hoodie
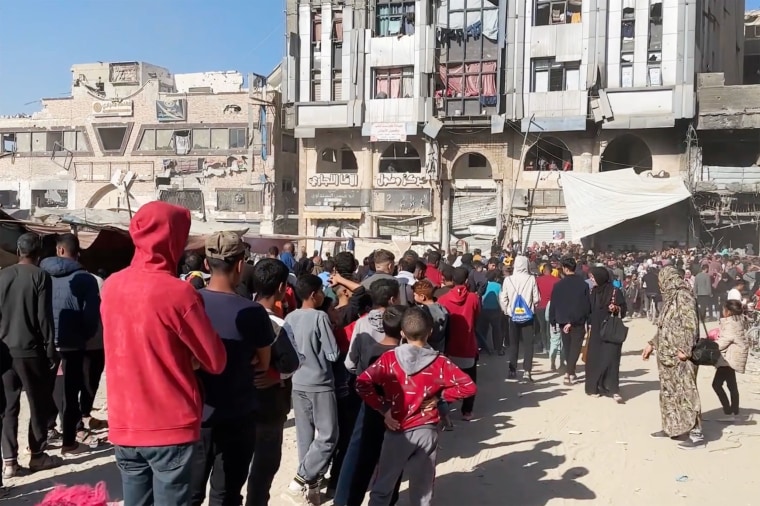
{"x": 409, "y": 377}
{"x": 462, "y": 346}
{"x": 156, "y": 333}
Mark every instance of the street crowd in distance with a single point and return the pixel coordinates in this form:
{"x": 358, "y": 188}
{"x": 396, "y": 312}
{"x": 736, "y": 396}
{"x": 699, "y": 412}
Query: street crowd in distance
{"x": 207, "y": 353}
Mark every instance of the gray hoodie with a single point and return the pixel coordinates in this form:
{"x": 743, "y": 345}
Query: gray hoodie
{"x": 522, "y": 282}
{"x": 367, "y": 332}
{"x": 413, "y": 359}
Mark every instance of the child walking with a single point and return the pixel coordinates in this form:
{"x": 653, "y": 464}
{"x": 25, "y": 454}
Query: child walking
{"x": 732, "y": 343}
{"x": 555, "y": 343}
{"x": 410, "y": 376}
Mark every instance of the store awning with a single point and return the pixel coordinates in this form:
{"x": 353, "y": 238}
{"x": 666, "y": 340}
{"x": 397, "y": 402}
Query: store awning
{"x": 602, "y": 200}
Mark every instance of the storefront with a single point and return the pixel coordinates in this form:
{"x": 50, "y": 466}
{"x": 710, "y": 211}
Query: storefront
{"x": 545, "y": 230}
{"x": 401, "y": 213}
{"x": 333, "y": 214}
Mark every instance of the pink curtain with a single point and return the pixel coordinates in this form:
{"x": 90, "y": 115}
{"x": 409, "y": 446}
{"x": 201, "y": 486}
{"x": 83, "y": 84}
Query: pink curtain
{"x": 382, "y": 85}
{"x": 470, "y": 84}
{"x": 395, "y": 86}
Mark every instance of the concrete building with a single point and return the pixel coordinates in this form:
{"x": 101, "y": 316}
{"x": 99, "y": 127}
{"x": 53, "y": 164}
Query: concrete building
{"x": 132, "y": 132}
{"x": 452, "y": 120}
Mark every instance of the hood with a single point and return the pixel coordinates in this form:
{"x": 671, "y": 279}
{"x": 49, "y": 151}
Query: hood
{"x": 159, "y": 232}
{"x": 413, "y": 359}
{"x": 458, "y": 294}
{"x": 521, "y": 265}
{"x": 57, "y": 266}
{"x": 375, "y": 320}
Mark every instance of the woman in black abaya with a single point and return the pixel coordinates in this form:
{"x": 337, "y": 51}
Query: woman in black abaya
{"x": 603, "y": 358}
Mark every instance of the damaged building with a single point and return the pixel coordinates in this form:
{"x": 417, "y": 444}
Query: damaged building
{"x": 452, "y": 121}
{"x": 132, "y": 132}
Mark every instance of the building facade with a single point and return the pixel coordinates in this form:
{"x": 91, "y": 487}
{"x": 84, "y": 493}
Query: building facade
{"x": 453, "y": 120}
{"x": 132, "y": 132}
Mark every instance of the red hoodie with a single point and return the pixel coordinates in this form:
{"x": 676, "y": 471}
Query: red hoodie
{"x": 409, "y": 376}
{"x": 463, "y": 307}
{"x": 434, "y": 275}
{"x": 153, "y": 326}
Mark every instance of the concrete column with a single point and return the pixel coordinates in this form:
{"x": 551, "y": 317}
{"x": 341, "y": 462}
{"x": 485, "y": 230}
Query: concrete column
{"x": 445, "y": 190}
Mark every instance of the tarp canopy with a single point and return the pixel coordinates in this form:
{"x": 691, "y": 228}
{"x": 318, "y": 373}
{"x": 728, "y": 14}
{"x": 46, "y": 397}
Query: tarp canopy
{"x": 596, "y": 202}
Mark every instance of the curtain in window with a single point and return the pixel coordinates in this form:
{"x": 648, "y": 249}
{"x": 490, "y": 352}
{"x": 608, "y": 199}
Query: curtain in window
{"x": 480, "y": 79}
{"x": 382, "y": 85}
{"x": 407, "y": 86}
{"x": 395, "y": 86}
{"x": 317, "y": 35}
{"x": 338, "y": 28}
{"x": 383, "y": 12}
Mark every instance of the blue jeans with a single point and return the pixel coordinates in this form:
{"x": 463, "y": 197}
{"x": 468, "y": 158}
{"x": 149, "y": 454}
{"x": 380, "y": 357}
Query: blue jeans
{"x": 155, "y": 474}
{"x": 349, "y": 462}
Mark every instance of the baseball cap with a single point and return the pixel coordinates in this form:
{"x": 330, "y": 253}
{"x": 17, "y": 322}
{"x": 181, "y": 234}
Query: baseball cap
{"x": 223, "y": 245}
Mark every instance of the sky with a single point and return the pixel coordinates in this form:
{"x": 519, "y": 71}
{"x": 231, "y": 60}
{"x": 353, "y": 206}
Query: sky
{"x": 41, "y": 39}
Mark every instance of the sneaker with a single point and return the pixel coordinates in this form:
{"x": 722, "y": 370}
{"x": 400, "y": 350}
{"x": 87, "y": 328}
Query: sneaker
{"x": 295, "y": 496}
{"x": 53, "y": 435}
{"x": 467, "y": 417}
{"x": 43, "y": 462}
{"x": 74, "y": 449}
{"x": 692, "y": 444}
{"x": 660, "y": 434}
{"x": 96, "y": 424}
{"x": 527, "y": 377}
{"x": 10, "y": 469}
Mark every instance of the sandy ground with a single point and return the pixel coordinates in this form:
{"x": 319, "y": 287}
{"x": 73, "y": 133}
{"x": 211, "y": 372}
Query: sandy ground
{"x": 546, "y": 444}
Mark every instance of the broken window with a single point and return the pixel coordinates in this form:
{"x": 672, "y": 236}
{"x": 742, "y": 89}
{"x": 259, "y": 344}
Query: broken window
{"x": 52, "y": 139}
{"x": 148, "y": 141}
{"x": 164, "y": 140}
{"x": 655, "y": 25}
{"x": 337, "y": 27}
{"x": 329, "y": 155}
{"x": 50, "y": 198}
{"x": 400, "y": 157}
{"x": 239, "y": 200}
{"x": 111, "y": 138}
{"x": 62, "y": 156}
{"x": 220, "y": 138}
{"x": 181, "y": 142}
{"x": 9, "y": 144}
{"x": 394, "y": 18}
{"x": 238, "y": 138}
{"x": 201, "y": 138}
{"x": 348, "y": 160}
{"x": 556, "y": 12}
{"x": 550, "y": 75}
{"x": 9, "y": 199}
{"x": 288, "y": 143}
{"x": 627, "y": 28}
{"x": 394, "y": 83}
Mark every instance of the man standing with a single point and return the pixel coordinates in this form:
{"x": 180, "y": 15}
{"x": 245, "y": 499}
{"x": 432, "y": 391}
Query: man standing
{"x": 570, "y": 310}
{"x": 520, "y": 285}
{"x": 703, "y": 290}
{"x": 545, "y": 283}
{"x": 76, "y": 316}
{"x": 28, "y": 346}
{"x": 156, "y": 333}
{"x": 385, "y": 262}
{"x": 228, "y": 430}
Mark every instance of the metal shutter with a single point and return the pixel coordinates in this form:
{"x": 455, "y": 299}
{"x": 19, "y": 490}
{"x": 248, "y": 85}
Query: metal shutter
{"x": 543, "y": 231}
{"x": 473, "y": 208}
{"x": 637, "y": 234}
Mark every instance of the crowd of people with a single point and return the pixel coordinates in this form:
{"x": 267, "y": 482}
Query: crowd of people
{"x": 206, "y": 353}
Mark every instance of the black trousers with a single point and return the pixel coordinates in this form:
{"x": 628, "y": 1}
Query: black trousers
{"x": 92, "y": 369}
{"x": 542, "y": 327}
{"x": 521, "y": 334}
{"x": 728, "y": 376}
{"x": 32, "y": 375}
{"x": 373, "y": 432}
{"x": 469, "y": 403}
{"x": 348, "y": 410}
{"x": 267, "y": 455}
{"x": 572, "y": 343}
{"x": 223, "y": 454}
{"x": 705, "y": 303}
{"x": 73, "y": 384}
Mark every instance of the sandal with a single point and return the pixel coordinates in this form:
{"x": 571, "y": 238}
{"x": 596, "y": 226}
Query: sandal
{"x": 568, "y": 381}
{"x": 43, "y": 462}
{"x": 618, "y": 398}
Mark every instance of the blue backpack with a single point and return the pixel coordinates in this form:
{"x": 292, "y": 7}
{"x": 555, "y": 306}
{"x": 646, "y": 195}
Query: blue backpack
{"x": 521, "y": 311}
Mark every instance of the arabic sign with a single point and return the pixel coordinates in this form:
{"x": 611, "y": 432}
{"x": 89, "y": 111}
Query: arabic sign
{"x": 336, "y": 198}
{"x": 106, "y": 108}
{"x": 387, "y": 132}
{"x": 406, "y": 201}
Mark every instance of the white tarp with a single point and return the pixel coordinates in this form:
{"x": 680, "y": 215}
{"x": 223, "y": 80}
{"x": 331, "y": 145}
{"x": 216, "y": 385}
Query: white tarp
{"x": 599, "y": 201}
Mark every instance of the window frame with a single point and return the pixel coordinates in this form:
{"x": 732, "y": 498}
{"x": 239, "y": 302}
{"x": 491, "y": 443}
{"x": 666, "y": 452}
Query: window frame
{"x": 550, "y": 66}
{"x": 22, "y": 138}
{"x": 383, "y": 158}
{"x": 391, "y": 74}
{"x": 404, "y": 7}
{"x": 194, "y": 128}
{"x": 125, "y": 140}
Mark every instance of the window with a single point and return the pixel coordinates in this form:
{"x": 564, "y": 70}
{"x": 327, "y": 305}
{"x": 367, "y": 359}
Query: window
{"x": 337, "y": 85}
{"x": 348, "y": 160}
{"x": 400, "y": 157}
{"x": 181, "y": 142}
{"x": 394, "y": 83}
{"x": 288, "y": 143}
{"x": 387, "y": 229}
{"x": 164, "y": 139}
{"x": 75, "y": 141}
{"x": 238, "y": 138}
{"x": 394, "y": 18}
{"x": 23, "y": 142}
{"x": 626, "y": 75}
{"x": 9, "y": 199}
{"x": 337, "y": 27}
{"x": 50, "y": 198}
{"x": 52, "y": 139}
{"x": 556, "y": 12}
{"x": 238, "y": 200}
{"x": 655, "y": 26}
{"x": 220, "y": 138}
{"x": 316, "y": 29}
{"x": 548, "y": 154}
{"x": 191, "y": 200}
{"x": 329, "y": 155}
{"x": 549, "y": 75}
{"x": 201, "y": 138}
{"x": 39, "y": 142}
{"x": 111, "y": 138}
{"x": 8, "y": 144}
{"x": 316, "y": 85}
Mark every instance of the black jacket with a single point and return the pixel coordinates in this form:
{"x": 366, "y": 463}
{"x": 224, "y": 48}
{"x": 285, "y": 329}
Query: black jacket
{"x": 570, "y": 302}
{"x": 26, "y": 312}
{"x": 76, "y": 302}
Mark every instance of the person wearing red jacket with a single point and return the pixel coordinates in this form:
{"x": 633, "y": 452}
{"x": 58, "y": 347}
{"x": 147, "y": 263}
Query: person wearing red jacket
{"x": 412, "y": 378}
{"x": 432, "y": 272}
{"x": 462, "y": 346}
{"x": 156, "y": 333}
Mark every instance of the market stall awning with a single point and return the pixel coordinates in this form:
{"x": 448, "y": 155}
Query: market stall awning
{"x": 598, "y": 201}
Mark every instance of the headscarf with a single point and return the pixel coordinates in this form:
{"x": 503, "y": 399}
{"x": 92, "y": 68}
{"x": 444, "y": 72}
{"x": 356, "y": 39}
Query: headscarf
{"x": 601, "y": 295}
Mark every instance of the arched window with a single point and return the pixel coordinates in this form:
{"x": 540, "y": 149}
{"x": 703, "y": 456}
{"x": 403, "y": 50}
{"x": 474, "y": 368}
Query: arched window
{"x": 336, "y": 160}
{"x": 548, "y": 154}
{"x": 626, "y": 152}
{"x": 329, "y": 155}
{"x": 400, "y": 157}
{"x": 472, "y": 166}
